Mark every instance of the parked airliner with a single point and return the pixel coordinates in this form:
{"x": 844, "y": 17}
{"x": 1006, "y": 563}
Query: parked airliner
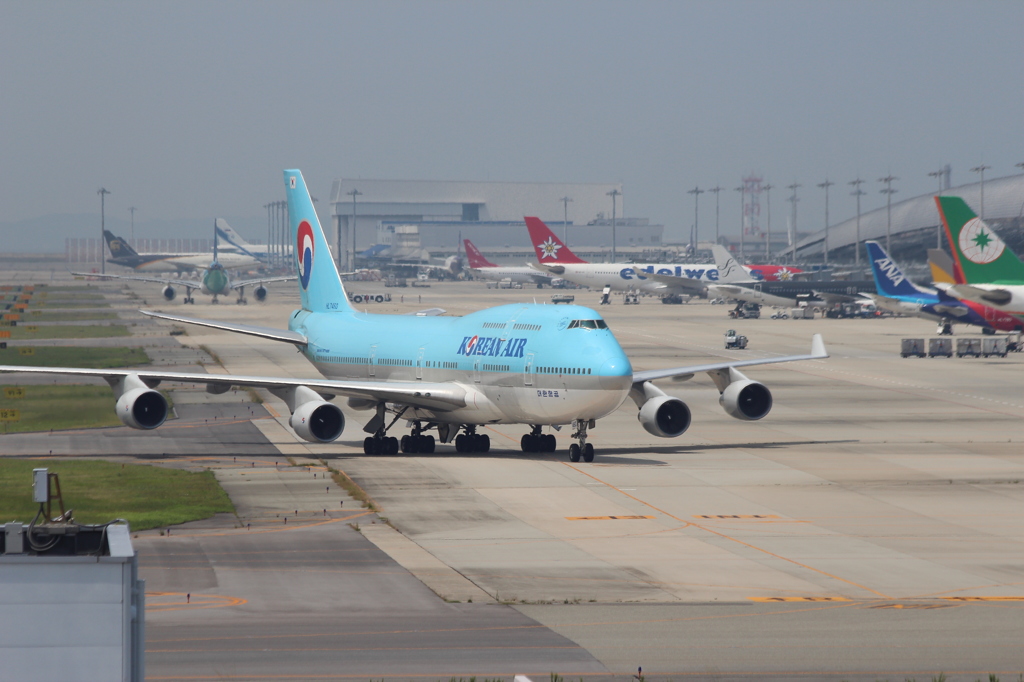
{"x": 514, "y": 364}
{"x": 484, "y": 269}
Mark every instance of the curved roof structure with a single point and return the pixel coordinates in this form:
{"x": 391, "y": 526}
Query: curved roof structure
{"x": 915, "y": 222}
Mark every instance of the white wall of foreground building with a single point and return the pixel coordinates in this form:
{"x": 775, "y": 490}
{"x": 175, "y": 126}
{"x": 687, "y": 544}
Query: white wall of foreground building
{"x": 72, "y": 618}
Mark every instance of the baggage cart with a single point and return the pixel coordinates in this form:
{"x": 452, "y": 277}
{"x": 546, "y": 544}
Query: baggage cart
{"x": 994, "y": 345}
{"x": 912, "y": 348}
{"x": 940, "y": 348}
{"x": 968, "y": 347}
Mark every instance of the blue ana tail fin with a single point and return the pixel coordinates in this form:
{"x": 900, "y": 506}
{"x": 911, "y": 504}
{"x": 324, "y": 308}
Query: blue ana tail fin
{"x": 889, "y": 279}
{"x": 319, "y": 283}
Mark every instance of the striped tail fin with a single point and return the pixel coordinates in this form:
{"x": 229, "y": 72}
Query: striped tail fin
{"x": 319, "y": 283}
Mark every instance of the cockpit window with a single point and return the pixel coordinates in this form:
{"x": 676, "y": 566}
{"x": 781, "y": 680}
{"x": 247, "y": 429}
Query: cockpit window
{"x": 588, "y": 324}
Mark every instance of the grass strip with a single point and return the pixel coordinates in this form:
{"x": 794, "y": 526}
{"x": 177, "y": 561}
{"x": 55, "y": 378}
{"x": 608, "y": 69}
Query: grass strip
{"x": 98, "y": 491}
{"x": 90, "y": 358}
{"x": 71, "y": 331}
{"x": 55, "y": 407}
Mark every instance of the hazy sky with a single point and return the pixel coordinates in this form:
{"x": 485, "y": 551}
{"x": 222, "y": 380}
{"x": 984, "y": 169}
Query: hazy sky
{"x": 191, "y": 109}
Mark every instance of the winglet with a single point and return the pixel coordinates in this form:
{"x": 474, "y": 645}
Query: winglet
{"x": 549, "y": 248}
{"x": 818, "y": 349}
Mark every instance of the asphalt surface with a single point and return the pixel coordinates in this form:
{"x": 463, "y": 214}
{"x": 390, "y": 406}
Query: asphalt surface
{"x": 869, "y": 528}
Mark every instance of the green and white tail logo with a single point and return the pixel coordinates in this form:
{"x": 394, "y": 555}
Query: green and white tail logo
{"x": 979, "y": 244}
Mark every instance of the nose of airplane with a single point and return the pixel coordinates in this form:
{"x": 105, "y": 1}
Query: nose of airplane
{"x": 616, "y": 373}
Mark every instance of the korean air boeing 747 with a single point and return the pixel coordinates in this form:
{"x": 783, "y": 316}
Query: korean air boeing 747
{"x": 514, "y": 364}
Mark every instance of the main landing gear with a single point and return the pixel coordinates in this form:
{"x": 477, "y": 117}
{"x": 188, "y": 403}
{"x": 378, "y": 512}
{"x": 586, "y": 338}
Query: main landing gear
{"x": 535, "y": 441}
{"x": 471, "y": 441}
{"x": 583, "y": 449}
{"x": 417, "y": 442}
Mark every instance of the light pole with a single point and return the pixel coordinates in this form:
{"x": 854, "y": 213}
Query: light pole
{"x": 825, "y": 185}
{"x": 102, "y": 191}
{"x": 938, "y": 229}
{"x": 716, "y": 189}
{"x": 742, "y": 189}
{"x": 132, "y": 209}
{"x": 981, "y": 169}
{"x": 888, "y": 192}
{"x": 695, "y": 234}
{"x": 792, "y": 227}
{"x": 613, "y": 194}
{"x": 857, "y": 192}
{"x": 353, "y": 193}
{"x": 565, "y": 219}
{"x": 768, "y": 236}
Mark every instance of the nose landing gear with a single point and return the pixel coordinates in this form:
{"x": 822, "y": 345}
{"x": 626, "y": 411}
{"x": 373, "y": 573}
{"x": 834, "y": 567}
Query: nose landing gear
{"x": 583, "y": 449}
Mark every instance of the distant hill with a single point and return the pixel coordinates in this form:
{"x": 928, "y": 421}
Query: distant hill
{"x": 46, "y": 234}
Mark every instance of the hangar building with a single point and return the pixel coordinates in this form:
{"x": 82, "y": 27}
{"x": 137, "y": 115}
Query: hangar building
{"x": 489, "y": 213}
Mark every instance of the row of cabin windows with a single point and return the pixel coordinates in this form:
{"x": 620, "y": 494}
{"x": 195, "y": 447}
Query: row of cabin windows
{"x": 563, "y": 370}
{"x": 526, "y": 327}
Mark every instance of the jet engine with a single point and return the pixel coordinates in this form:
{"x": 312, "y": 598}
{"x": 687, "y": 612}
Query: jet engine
{"x": 318, "y": 421}
{"x": 169, "y": 292}
{"x": 665, "y": 416}
{"x": 142, "y": 408}
{"x": 746, "y": 399}
{"x": 260, "y": 293}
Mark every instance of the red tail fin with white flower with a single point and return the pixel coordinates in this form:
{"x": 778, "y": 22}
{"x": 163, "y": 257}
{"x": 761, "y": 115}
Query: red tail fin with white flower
{"x": 549, "y": 248}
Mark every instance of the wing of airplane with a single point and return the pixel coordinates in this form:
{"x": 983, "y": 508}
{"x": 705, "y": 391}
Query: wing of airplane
{"x": 994, "y": 296}
{"x": 262, "y": 280}
{"x": 686, "y": 285}
{"x": 166, "y": 281}
{"x": 438, "y": 396}
{"x": 818, "y": 352}
{"x": 252, "y": 330}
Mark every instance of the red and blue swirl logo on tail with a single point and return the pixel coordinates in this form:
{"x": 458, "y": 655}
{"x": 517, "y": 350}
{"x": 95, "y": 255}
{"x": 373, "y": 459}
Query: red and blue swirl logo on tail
{"x": 305, "y": 249}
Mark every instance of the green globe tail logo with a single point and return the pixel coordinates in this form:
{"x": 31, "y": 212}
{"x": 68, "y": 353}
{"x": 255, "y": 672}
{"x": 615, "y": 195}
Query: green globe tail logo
{"x": 979, "y": 243}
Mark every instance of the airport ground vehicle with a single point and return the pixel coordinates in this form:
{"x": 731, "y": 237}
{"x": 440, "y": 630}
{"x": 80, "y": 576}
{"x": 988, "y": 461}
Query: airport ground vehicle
{"x": 562, "y": 298}
{"x": 734, "y": 340}
{"x": 912, "y": 348}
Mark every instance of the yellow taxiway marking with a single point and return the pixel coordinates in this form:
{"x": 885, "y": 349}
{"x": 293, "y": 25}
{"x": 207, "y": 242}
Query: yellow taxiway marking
{"x": 606, "y": 518}
{"x": 798, "y": 599}
{"x": 175, "y": 601}
{"x": 728, "y": 517}
{"x": 984, "y": 598}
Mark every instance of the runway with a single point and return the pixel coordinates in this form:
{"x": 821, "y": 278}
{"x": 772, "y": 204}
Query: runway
{"x": 869, "y": 528}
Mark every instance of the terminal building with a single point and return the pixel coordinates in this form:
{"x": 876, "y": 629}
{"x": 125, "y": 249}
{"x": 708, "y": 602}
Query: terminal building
{"x": 914, "y": 225}
{"x": 429, "y": 218}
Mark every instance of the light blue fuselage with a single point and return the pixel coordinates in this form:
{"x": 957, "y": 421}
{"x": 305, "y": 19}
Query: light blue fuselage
{"x": 519, "y": 363}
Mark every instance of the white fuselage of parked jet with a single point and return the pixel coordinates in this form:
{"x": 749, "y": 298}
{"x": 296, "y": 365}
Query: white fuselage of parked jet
{"x": 632, "y": 276}
{"x": 523, "y": 274}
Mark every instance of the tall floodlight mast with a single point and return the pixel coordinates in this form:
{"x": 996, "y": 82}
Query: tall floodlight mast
{"x": 825, "y": 185}
{"x": 768, "y": 234}
{"x": 613, "y": 194}
{"x": 565, "y": 219}
{"x": 888, "y": 192}
{"x": 981, "y": 169}
{"x": 793, "y": 199}
{"x": 102, "y": 191}
{"x": 694, "y": 233}
{"x": 940, "y": 174}
{"x": 353, "y": 193}
{"x": 857, "y": 192}
{"x": 716, "y": 189}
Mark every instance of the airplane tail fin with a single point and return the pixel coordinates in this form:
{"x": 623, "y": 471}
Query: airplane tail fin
{"x": 118, "y": 246}
{"x": 728, "y": 269}
{"x": 942, "y": 267}
{"x": 475, "y": 258}
{"x": 981, "y": 256}
{"x": 319, "y": 283}
{"x": 889, "y": 278}
{"x": 548, "y": 246}
{"x": 226, "y": 233}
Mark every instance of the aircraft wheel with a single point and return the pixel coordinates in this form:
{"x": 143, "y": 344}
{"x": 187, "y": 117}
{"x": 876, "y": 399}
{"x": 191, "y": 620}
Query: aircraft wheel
{"x": 426, "y": 444}
{"x": 460, "y": 443}
{"x": 588, "y": 453}
{"x": 574, "y": 453}
{"x": 526, "y": 442}
{"x": 485, "y": 443}
{"x": 407, "y": 444}
{"x": 370, "y": 445}
{"x": 392, "y": 445}
{"x": 550, "y": 445}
